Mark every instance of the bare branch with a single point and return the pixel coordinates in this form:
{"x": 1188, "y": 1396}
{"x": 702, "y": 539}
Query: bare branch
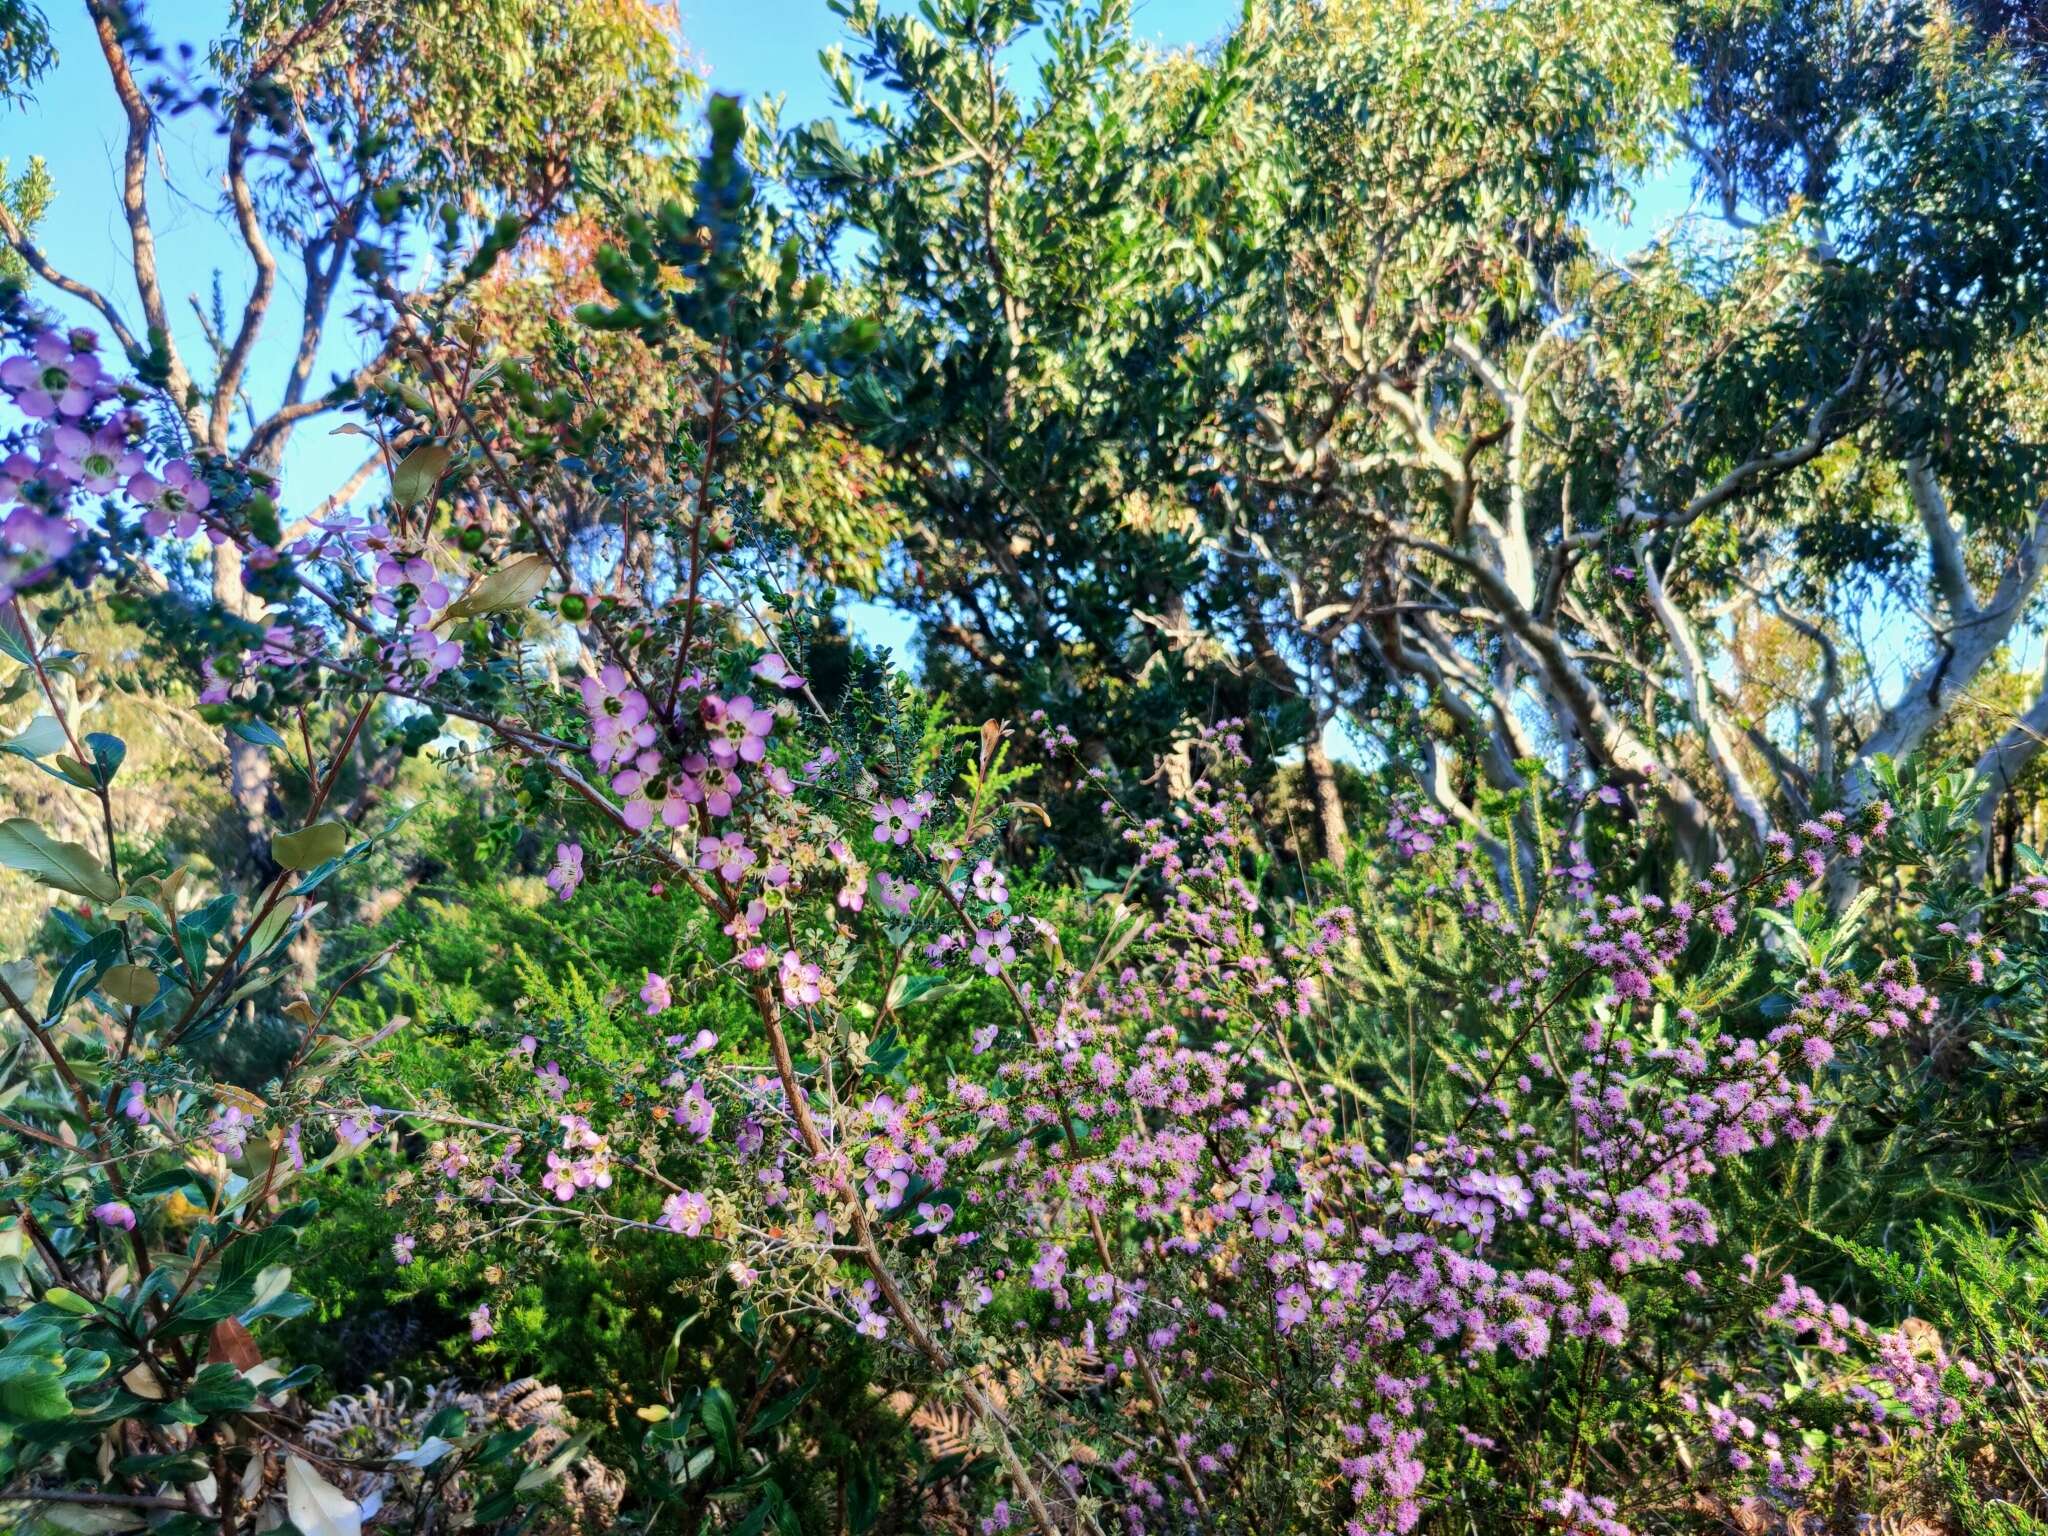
{"x": 236, "y": 360}
{"x": 40, "y": 264}
{"x": 1820, "y": 435}
{"x": 1944, "y": 548}
{"x": 135, "y": 207}
{"x": 1932, "y": 692}
{"x": 1700, "y": 691}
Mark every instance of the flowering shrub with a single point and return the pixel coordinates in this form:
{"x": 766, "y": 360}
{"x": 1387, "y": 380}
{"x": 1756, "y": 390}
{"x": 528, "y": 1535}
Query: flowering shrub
{"x": 1170, "y": 1276}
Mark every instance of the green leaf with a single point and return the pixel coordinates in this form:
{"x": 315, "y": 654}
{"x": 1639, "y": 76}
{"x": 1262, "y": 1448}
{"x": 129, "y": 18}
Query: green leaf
{"x": 310, "y": 847}
{"x": 783, "y": 1406}
{"x": 419, "y": 472}
{"x": 512, "y": 585}
{"x": 131, "y": 985}
{"x": 219, "y": 1388}
{"x": 65, "y": 866}
{"x": 721, "y": 1418}
{"x": 546, "y": 1472}
{"x": 257, "y": 733}
{"x": 32, "y": 1389}
{"x": 68, "y": 1301}
{"x": 108, "y": 754}
{"x": 82, "y": 969}
{"x": 40, "y": 737}
{"x": 141, "y": 906}
{"x": 197, "y": 1187}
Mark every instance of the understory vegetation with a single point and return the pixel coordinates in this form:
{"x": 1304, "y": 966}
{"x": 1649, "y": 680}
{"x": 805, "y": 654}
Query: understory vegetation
{"x": 1441, "y": 932}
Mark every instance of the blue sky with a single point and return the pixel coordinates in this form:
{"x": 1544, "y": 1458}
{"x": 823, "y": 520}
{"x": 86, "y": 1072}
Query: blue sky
{"x": 764, "y": 47}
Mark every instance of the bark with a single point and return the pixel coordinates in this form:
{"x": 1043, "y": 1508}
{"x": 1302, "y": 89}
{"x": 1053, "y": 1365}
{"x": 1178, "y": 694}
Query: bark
{"x": 1332, "y": 837}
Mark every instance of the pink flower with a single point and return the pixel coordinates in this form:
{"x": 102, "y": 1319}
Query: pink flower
{"x": 480, "y": 1323}
{"x": 619, "y": 726}
{"x": 802, "y": 982}
{"x": 688, "y": 1213}
{"x": 402, "y": 1246}
{"x": 739, "y": 728}
{"x": 568, "y": 871}
{"x": 656, "y": 994}
{"x": 729, "y": 855}
{"x": 172, "y": 501}
{"x": 774, "y": 671}
{"x": 132, "y": 1102}
{"x": 114, "y": 1213}
{"x": 895, "y": 820}
{"x": 704, "y": 1041}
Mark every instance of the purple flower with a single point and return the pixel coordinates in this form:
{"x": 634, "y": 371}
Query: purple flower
{"x": 895, "y": 820}
{"x": 739, "y": 728}
{"x": 98, "y": 459}
{"x": 656, "y": 994}
{"x": 172, "y": 501}
{"x": 114, "y": 1213}
{"x": 992, "y": 950}
{"x": 568, "y": 871}
{"x": 774, "y": 671}
{"x": 230, "y": 1131}
{"x": 402, "y": 1246}
{"x": 619, "y": 726}
{"x": 56, "y": 381}
{"x": 480, "y": 1323}
{"x": 688, "y": 1213}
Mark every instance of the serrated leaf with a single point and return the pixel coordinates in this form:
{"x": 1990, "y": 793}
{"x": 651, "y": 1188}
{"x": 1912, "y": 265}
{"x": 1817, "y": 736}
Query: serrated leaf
{"x": 64, "y": 866}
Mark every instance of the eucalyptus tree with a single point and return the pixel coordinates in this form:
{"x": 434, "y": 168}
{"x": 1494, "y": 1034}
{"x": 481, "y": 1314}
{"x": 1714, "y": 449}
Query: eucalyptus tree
{"x": 1333, "y": 362}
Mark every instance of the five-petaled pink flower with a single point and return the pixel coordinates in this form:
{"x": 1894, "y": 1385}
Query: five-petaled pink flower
{"x": 774, "y": 671}
{"x": 739, "y": 728}
{"x": 568, "y": 871}
{"x": 688, "y": 1213}
{"x": 656, "y": 994}
{"x": 895, "y": 820}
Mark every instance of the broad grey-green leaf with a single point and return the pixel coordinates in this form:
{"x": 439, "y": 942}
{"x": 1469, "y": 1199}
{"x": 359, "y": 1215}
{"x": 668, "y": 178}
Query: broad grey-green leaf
{"x": 316, "y": 1506}
{"x": 418, "y": 473}
{"x": 510, "y": 586}
{"x": 133, "y": 985}
{"x": 41, "y": 736}
{"x": 310, "y": 847}
{"x": 65, "y": 866}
